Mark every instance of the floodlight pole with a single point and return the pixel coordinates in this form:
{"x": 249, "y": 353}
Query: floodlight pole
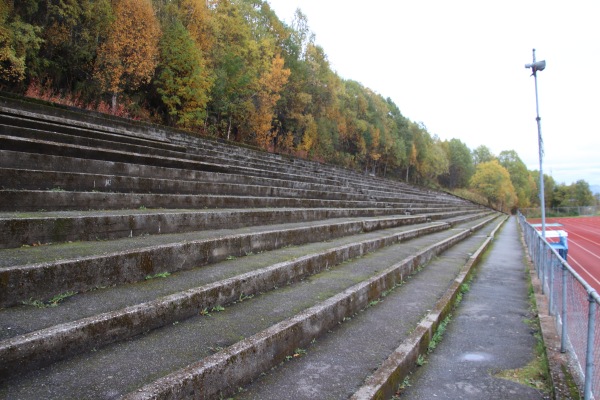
{"x": 539, "y": 66}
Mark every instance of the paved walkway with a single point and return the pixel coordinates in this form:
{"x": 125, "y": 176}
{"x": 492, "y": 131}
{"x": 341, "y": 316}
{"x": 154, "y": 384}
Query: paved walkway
{"x": 488, "y": 332}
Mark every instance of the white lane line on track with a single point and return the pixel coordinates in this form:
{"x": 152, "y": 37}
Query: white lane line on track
{"x": 572, "y": 242}
{"x": 583, "y": 269}
{"x": 583, "y": 237}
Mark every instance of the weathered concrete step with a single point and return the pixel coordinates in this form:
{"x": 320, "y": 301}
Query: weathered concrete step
{"x": 18, "y": 229}
{"x": 246, "y": 359}
{"x": 46, "y": 130}
{"x": 34, "y": 121}
{"x": 20, "y": 179}
{"x": 90, "y": 120}
{"x": 43, "y": 272}
{"x": 84, "y": 119}
{"x": 34, "y": 161}
{"x": 26, "y": 179}
{"x": 26, "y": 108}
{"x": 109, "y": 145}
{"x": 336, "y": 365}
{"x": 58, "y": 200}
{"x": 17, "y": 144}
{"x": 12, "y": 159}
{"x": 64, "y": 132}
{"x": 101, "y": 374}
{"x": 95, "y": 319}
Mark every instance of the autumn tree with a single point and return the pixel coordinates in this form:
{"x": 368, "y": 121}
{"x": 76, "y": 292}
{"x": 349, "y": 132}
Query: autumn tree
{"x": 201, "y": 25}
{"x": 20, "y": 42}
{"x": 268, "y": 92}
{"x": 519, "y": 175}
{"x": 437, "y": 162}
{"x": 492, "y": 181}
{"x": 182, "y": 81}
{"x": 129, "y": 56}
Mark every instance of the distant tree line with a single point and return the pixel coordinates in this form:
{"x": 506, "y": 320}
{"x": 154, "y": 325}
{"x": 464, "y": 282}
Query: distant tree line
{"x": 232, "y": 69}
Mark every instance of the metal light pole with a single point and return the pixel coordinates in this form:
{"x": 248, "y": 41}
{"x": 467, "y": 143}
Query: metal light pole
{"x": 535, "y": 67}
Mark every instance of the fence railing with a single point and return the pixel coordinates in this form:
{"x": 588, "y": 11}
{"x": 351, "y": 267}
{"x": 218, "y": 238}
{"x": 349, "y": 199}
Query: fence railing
{"x": 574, "y": 303}
{"x": 560, "y": 211}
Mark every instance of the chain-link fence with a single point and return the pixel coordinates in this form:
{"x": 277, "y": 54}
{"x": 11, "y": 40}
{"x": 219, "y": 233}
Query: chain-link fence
{"x": 561, "y": 211}
{"x": 576, "y": 307}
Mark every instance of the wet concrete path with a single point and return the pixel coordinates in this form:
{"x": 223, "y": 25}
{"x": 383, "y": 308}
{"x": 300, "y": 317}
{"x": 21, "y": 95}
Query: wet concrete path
{"x": 488, "y": 332}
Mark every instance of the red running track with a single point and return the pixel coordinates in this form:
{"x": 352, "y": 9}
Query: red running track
{"x": 584, "y": 246}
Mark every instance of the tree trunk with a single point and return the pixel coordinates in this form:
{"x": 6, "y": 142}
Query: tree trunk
{"x": 229, "y": 128}
{"x": 114, "y": 103}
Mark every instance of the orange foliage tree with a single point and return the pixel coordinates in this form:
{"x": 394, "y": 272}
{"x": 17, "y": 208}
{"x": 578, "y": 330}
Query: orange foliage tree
{"x": 130, "y": 54}
{"x": 270, "y": 85}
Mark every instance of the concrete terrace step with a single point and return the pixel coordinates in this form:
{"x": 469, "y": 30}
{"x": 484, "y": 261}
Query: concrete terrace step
{"x": 49, "y": 124}
{"x": 26, "y": 179}
{"x": 57, "y": 200}
{"x": 43, "y": 272}
{"x": 33, "y": 161}
{"x": 36, "y": 228}
{"x": 67, "y": 131}
{"x": 69, "y": 181}
{"x": 103, "y": 316}
{"x": 17, "y": 144}
{"x": 114, "y": 125}
{"x": 32, "y": 166}
{"x": 83, "y": 138}
{"x": 39, "y": 130}
{"x": 297, "y": 314}
{"x": 340, "y": 363}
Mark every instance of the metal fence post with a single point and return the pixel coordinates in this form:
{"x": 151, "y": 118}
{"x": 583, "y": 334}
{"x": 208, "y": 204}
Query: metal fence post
{"x": 589, "y": 356}
{"x": 551, "y": 285}
{"x": 543, "y": 265}
{"x": 563, "y": 335}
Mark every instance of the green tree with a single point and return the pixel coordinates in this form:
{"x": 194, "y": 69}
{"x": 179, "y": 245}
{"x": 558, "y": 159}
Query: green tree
{"x": 182, "y": 81}
{"x": 460, "y": 167}
{"x": 482, "y": 154}
{"x": 492, "y": 181}
{"x": 20, "y": 42}
{"x": 549, "y": 190}
{"x": 582, "y": 195}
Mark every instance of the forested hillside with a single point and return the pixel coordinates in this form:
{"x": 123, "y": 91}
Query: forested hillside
{"x": 232, "y": 69}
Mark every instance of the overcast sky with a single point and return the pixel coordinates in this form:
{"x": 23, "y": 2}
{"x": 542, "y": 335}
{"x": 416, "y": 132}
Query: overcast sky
{"x": 459, "y": 67}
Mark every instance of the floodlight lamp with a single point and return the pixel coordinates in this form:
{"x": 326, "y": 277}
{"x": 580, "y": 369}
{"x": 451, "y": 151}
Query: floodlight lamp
{"x": 537, "y": 66}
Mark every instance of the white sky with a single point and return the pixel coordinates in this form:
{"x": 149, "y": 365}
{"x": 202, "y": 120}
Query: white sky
{"x": 459, "y": 67}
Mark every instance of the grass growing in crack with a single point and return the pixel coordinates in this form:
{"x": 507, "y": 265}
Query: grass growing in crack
{"x": 421, "y": 360}
{"x": 159, "y": 275}
{"x": 297, "y": 353}
{"x": 536, "y": 373}
{"x": 401, "y": 388}
{"x": 244, "y": 297}
{"x": 439, "y": 334}
{"x": 53, "y": 302}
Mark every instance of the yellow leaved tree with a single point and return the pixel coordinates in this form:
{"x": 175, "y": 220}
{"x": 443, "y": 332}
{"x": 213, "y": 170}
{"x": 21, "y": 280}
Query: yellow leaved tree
{"x": 492, "y": 181}
{"x": 268, "y": 93}
{"x": 130, "y": 54}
